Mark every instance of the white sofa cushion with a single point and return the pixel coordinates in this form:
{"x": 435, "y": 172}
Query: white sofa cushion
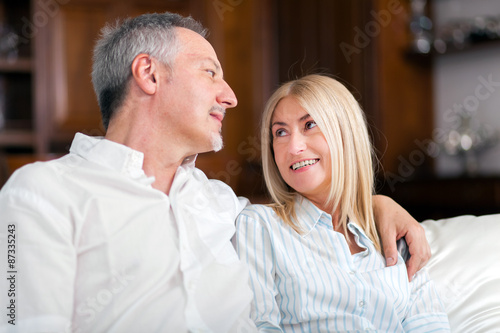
{"x": 465, "y": 267}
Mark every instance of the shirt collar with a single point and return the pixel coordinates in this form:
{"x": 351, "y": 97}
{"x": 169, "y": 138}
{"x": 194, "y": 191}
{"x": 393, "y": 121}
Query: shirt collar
{"x": 359, "y": 234}
{"x": 304, "y": 207}
{"x": 190, "y": 160}
{"x": 315, "y": 216}
{"x": 110, "y": 155}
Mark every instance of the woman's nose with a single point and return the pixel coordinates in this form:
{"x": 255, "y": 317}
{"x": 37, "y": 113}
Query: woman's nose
{"x": 297, "y": 144}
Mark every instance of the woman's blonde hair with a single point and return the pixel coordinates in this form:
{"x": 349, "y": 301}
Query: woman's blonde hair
{"x": 342, "y": 122}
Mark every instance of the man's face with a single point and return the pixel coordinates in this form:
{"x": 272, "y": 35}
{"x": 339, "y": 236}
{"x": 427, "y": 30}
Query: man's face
{"x": 196, "y": 96}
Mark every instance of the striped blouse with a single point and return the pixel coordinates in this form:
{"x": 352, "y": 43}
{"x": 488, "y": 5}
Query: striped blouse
{"x": 312, "y": 282}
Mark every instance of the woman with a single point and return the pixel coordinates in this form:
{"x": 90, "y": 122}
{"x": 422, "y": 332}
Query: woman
{"x": 314, "y": 254}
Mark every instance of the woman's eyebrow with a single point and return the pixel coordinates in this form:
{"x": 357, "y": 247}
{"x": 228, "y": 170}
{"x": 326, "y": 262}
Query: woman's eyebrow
{"x": 305, "y": 117}
{"x": 279, "y": 123}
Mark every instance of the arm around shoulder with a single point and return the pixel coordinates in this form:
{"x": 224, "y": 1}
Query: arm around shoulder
{"x": 394, "y": 222}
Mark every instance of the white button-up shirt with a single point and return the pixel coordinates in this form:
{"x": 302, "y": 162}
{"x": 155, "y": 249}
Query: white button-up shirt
{"x": 98, "y": 249}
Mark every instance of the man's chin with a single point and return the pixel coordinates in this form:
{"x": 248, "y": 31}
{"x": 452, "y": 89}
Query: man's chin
{"x": 217, "y": 148}
{"x": 217, "y": 143}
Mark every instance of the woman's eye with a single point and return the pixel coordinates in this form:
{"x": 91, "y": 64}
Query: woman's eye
{"x": 280, "y": 132}
{"x": 310, "y": 124}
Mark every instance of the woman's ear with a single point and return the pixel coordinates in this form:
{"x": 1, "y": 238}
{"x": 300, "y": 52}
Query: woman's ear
{"x": 145, "y": 72}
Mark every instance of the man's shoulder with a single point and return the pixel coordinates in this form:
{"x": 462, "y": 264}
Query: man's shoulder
{"x": 220, "y": 195}
{"x": 36, "y": 186}
{"x": 199, "y": 175}
{"x": 213, "y": 185}
{"x": 33, "y": 175}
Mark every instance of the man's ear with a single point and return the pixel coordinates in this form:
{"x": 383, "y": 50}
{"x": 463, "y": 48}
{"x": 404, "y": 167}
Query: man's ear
{"x": 145, "y": 73}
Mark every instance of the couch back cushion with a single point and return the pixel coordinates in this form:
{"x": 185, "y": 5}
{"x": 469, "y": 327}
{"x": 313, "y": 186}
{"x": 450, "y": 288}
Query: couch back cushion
{"x": 465, "y": 267}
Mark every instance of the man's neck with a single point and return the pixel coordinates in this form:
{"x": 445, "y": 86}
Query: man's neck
{"x": 160, "y": 160}
{"x": 164, "y": 173}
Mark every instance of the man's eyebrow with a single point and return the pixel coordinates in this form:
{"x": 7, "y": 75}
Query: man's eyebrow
{"x": 217, "y": 66}
{"x": 213, "y": 62}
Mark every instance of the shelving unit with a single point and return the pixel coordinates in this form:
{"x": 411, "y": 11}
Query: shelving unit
{"x": 17, "y": 136}
{"x": 19, "y": 65}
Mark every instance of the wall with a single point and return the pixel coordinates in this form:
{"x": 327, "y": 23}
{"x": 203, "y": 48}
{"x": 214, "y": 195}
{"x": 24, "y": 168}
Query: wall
{"x": 459, "y": 84}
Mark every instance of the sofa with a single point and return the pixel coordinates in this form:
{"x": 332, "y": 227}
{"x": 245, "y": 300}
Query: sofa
{"x": 465, "y": 267}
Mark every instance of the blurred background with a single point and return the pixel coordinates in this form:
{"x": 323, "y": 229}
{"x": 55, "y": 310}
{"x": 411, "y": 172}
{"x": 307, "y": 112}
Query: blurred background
{"x": 426, "y": 73}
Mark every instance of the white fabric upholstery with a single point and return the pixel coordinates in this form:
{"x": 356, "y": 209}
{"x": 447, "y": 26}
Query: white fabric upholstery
{"x": 465, "y": 266}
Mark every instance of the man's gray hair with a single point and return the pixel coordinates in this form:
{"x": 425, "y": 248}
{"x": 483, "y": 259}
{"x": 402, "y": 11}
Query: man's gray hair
{"x": 119, "y": 44}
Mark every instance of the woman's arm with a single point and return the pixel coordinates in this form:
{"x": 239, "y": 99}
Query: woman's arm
{"x": 254, "y": 247}
{"x": 394, "y": 222}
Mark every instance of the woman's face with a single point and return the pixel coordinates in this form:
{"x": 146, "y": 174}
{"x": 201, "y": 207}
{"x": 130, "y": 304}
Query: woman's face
{"x": 300, "y": 150}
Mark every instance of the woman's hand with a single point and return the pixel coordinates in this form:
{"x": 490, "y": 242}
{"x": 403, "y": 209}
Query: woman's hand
{"x": 394, "y": 222}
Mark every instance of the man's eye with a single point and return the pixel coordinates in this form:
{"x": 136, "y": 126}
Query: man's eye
{"x": 310, "y": 124}
{"x": 211, "y": 72}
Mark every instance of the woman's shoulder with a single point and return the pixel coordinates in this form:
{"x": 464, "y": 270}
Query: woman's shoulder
{"x": 258, "y": 214}
{"x": 258, "y": 211}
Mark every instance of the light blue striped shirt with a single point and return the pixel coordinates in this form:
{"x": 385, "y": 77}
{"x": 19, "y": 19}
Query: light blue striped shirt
{"x": 312, "y": 283}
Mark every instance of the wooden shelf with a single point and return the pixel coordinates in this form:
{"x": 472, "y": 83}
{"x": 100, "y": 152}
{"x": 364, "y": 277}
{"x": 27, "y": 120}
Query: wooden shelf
{"x": 17, "y": 138}
{"x": 20, "y": 65}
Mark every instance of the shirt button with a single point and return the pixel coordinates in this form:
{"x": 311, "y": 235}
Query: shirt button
{"x": 184, "y": 247}
{"x": 352, "y": 272}
{"x": 191, "y": 286}
{"x": 361, "y": 303}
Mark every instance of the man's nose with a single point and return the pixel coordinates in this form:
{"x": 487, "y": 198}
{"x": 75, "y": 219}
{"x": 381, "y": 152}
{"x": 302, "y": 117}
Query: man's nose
{"x": 226, "y": 97}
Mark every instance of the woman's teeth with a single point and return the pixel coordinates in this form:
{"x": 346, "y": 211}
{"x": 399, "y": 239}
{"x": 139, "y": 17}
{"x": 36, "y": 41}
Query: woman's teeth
{"x": 302, "y": 164}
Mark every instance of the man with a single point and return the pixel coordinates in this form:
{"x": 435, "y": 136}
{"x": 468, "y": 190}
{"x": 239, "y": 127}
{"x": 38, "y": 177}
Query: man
{"x": 124, "y": 234}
